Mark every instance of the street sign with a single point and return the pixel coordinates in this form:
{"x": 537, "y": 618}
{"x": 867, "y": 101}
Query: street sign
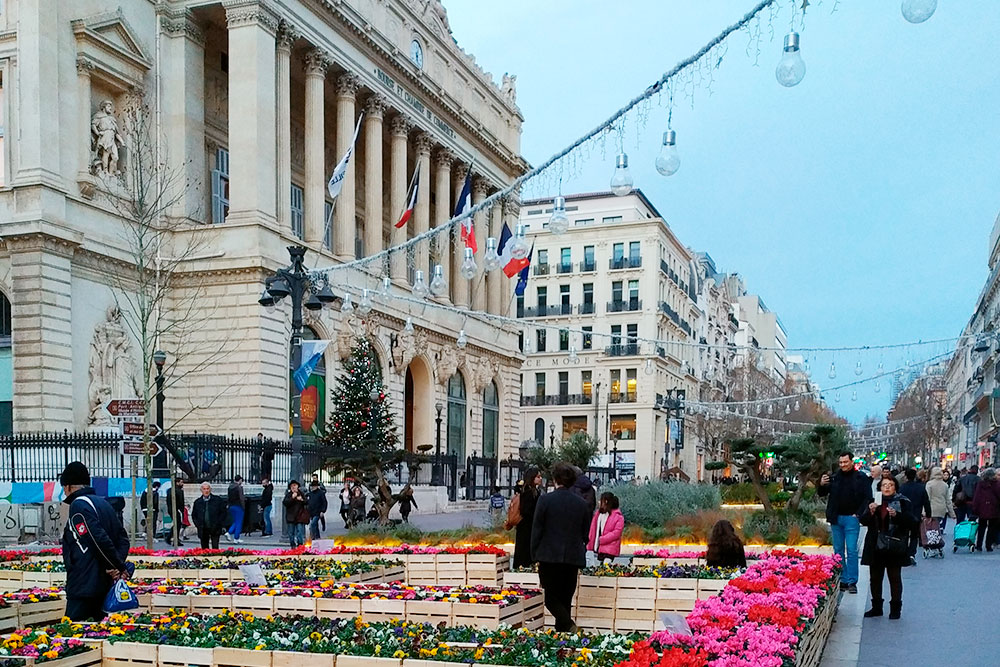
{"x": 134, "y": 448}
{"x": 136, "y": 429}
{"x": 126, "y": 407}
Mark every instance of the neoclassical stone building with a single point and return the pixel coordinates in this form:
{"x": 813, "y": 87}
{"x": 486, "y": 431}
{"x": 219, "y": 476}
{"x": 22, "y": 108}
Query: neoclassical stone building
{"x": 254, "y": 101}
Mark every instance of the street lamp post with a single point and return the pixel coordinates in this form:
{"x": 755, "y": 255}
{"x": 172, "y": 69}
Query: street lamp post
{"x": 552, "y": 434}
{"x": 159, "y": 358}
{"x": 436, "y": 470}
{"x": 295, "y": 281}
{"x": 614, "y": 460}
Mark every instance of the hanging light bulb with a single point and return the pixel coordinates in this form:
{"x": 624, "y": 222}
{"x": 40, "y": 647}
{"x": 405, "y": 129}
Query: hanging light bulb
{"x": 468, "y": 268}
{"x": 918, "y": 11}
{"x": 668, "y": 162}
{"x": 857, "y": 369}
{"x": 854, "y": 395}
{"x": 770, "y": 408}
{"x": 386, "y": 290}
{"x": 573, "y": 358}
{"x": 408, "y": 328}
{"x": 558, "y": 223}
{"x": 791, "y": 68}
{"x": 419, "y": 286}
{"x": 796, "y": 406}
{"x": 461, "y": 341}
{"x": 439, "y": 287}
{"x": 788, "y": 410}
{"x": 649, "y": 367}
{"x": 621, "y": 180}
{"x": 491, "y": 260}
{"x": 520, "y": 247}
{"x": 878, "y": 387}
{"x": 837, "y": 397}
{"x": 365, "y": 306}
{"x": 880, "y": 369}
{"x": 346, "y": 306}
{"x": 833, "y": 371}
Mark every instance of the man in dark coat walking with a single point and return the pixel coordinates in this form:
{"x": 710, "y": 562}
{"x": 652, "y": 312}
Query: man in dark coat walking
{"x": 559, "y": 536}
{"x": 210, "y": 515}
{"x": 965, "y": 491}
{"x": 920, "y": 505}
{"x": 849, "y": 493}
{"x": 94, "y": 545}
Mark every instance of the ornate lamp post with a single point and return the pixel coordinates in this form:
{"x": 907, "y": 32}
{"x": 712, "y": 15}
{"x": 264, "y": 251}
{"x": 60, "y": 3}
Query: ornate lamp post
{"x": 436, "y": 470}
{"x": 159, "y": 358}
{"x": 308, "y": 291}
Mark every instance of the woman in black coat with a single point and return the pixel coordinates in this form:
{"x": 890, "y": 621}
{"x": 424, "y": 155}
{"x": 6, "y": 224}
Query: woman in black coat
{"x": 893, "y": 517}
{"x": 527, "y": 500}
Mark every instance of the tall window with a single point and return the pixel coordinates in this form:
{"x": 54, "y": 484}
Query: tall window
{"x": 3, "y": 173}
{"x": 586, "y": 382}
{"x": 588, "y": 337}
{"x": 565, "y": 258}
{"x": 359, "y": 238}
{"x": 616, "y": 335}
{"x": 616, "y": 383}
{"x": 491, "y": 420}
{"x": 298, "y": 220}
{"x": 539, "y": 385}
{"x": 543, "y": 257}
{"x": 633, "y": 290}
{"x": 564, "y": 298}
{"x": 588, "y": 258}
{"x": 520, "y": 305}
{"x": 563, "y": 383}
{"x": 616, "y": 290}
{"x": 618, "y": 251}
{"x": 539, "y": 340}
{"x": 543, "y": 299}
{"x": 456, "y": 416}
{"x": 220, "y": 187}
{"x": 631, "y": 384}
{"x": 633, "y": 251}
{"x": 632, "y": 337}
{"x": 563, "y": 340}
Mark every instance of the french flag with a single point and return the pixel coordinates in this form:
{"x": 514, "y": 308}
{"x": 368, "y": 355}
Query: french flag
{"x": 414, "y": 189}
{"x": 510, "y": 266}
{"x": 464, "y": 203}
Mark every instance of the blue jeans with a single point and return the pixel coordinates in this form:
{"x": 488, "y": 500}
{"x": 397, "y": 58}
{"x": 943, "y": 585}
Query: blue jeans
{"x": 845, "y": 534}
{"x": 314, "y": 528}
{"x": 296, "y": 534}
{"x": 236, "y": 514}
{"x": 267, "y": 519}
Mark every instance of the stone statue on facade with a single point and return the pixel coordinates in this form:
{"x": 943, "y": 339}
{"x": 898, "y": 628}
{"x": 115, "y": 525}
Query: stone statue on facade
{"x": 112, "y": 367}
{"x": 105, "y": 138}
{"x": 408, "y": 344}
{"x": 509, "y": 88}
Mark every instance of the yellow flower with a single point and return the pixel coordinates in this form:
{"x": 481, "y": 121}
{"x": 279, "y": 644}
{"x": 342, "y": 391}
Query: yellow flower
{"x": 51, "y": 655}
{"x": 378, "y": 649}
{"x": 478, "y": 655}
{"x": 399, "y": 654}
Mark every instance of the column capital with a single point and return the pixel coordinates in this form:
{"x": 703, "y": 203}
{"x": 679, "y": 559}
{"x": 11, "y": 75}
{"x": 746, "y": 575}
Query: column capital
{"x": 511, "y": 204}
{"x": 287, "y": 34}
{"x": 84, "y": 65}
{"x": 347, "y": 85}
{"x": 241, "y": 13}
{"x": 480, "y": 186}
{"x": 183, "y": 24}
{"x": 443, "y": 159}
{"x": 400, "y": 125}
{"x": 375, "y": 106}
{"x": 317, "y": 62}
{"x": 423, "y": 144}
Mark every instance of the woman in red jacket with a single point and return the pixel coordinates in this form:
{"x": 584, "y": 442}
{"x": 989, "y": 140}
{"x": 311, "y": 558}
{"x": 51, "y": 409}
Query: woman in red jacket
{"x": 606, "y": 529}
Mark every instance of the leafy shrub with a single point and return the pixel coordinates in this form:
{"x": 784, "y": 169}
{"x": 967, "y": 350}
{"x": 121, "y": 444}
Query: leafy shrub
{"x": 783, "y": 527}
{"x": 654, "y": 504}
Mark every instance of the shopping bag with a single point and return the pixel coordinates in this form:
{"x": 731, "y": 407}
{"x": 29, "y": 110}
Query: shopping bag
{"x": 120, "y": 598}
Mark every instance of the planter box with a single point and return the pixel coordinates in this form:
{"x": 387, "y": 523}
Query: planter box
{"x": 260, "y": 606}
{"x": 488, "y": 616}
{"x": 393, "y": 573}
{"x": 128, "y": 654}
{"x": 602, "y": 624}
{"x": 429, "y": 611}
{"x": 91, "y": 658}
{"x": 522, "y": 579}
{"x": 597, "y": 591}
{"x": 365, "y": 661}
{"x": 12, "y": 576}
{"x": 286, "y": 658}
{"x": 9, "y": 617}
{"x": 165, "y": 601}
{"x": 240, "y": 657}
{"x": 291, "y": 605}
{"x": 450, "y": 561}
{"x": 210, "y": 604}
{"x": 677, "y": 589}
{"x": 183, "y": 656}
{"x": 337, "y": 608}
{"x": 382, "y": 610}
{"x": 709, "y": 587}
{"x": 637, "y": 588}
{"x": 41, "y": 579}
{"x": 41, "y": 613}
{"x": 623, "y": 625}
{"x": 534, "y": 612}
{"x": 451, "y": 578}
{"x": 812, "y": 642}
{"x": 224, "y": 576}
{"x": 675, "y": 605}
{"x": 144, "y": 600}
{"x": 421, "y": 577}
{"x": 151, "y": 574}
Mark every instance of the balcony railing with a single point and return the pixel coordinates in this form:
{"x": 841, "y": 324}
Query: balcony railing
{"x": 618, "y": 306}
{"x": 625, "y": 262}
{"x": 565, "y": 268}
{"x": 588, "y": 265}
{"x": 622, "y": 350}
{"x": 585, "y": 308}
{"x": 558, "y": 399}
{"x": 541, "y": 269}
{"x": 623, "y": 397}
{"x": 546, "y": 311}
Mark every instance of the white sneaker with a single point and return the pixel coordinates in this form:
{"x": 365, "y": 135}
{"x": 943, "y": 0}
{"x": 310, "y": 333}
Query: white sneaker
{"x": 239, "y": 541}
{"x": 229, "y": 538}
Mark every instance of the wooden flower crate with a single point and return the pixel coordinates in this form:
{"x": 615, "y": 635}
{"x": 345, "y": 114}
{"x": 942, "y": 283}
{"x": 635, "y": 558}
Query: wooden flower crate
{"x": 42, "y": 579}
{"x": 366, "y": 661}
{"x": 382, "y": 610}
{"x": 291, "y": 605}
{"x": 488, "y": 616}
{"x": 534, "y": 612}
{"x": 676, "y": 589}
{"x": 337, "y": 608}
{"x": 810, "y": 648}
{"x": 183, "y": 656}
{"x": 637, "y": 588}
{"x": 288, "y": 658}
{"x": 40, "y": 613}
{"x": 522, "y": 579}
{"x": 91, "y": 658}
{"x": 128, "y": 654}
{"x": 151, "y": 574}
{"x": 9, "y": 617}
{"x": 486, "y": 569}
{"x": 709, "y": 587}
{"x": 260, "y": 606}
{"x": 393, "y": 573}
{"x": 160, "y": 602}
{"x": 597, "y": 591}
{"x": 210, "y": 604}
{"x": 429, "y": 611}
{"x": 240, "y": 657}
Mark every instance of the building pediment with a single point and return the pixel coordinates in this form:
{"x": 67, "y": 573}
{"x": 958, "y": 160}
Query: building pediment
{"x": 109, "y": 42}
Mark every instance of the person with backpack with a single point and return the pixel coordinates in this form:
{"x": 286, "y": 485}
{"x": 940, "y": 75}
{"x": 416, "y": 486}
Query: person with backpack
{"x": 521, "y": 516}
{"x": 965, "y": 491}
{"x": 497, "y": 503}
{"x": 94, "y": 545}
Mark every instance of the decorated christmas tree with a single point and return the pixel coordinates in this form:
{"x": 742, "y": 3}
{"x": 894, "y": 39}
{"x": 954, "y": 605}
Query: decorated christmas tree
{"x": 361, "y": 438}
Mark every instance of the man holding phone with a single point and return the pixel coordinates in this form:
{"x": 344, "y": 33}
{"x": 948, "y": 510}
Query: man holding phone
{"x": 849, "y": 493}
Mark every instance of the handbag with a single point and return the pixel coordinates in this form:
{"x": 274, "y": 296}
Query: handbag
{"x": 513, "y": 513}
{"x": 120, "y": 598}
{"x": 890, "y": 545}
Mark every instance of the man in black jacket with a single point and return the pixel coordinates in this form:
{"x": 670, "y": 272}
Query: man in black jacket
{"x": 266, "y": 504}
{"x": 920, "y": 502}
{"x": 210, "y": 516}
{"x": 559, "y": 536}
{"x": 849, "y": 492}
{"x": 94, "y": 545}
{"x": 316, "y": 502}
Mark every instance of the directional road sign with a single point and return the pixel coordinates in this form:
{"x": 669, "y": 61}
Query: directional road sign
{"x": 126, "y": 407}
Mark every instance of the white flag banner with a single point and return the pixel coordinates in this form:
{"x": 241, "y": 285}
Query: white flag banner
{"x": 337, "y": 179}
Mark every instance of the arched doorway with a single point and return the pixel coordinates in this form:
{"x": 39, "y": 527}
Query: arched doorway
{"x": 456, "y": 416}
{"x": 491, "y": 420}
{"x": 6, "y": 369}
{"x": 418, "y": 419}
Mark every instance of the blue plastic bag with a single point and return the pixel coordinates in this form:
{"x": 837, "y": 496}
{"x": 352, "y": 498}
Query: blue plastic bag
{"x": 120, "y": 598}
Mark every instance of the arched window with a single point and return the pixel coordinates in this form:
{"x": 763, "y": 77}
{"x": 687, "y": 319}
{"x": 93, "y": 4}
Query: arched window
{"x": 456, "y": 416}
{"x": 491, "y": 420}
{"x": 313, "y": 408}
{"x": 540, "y": 431}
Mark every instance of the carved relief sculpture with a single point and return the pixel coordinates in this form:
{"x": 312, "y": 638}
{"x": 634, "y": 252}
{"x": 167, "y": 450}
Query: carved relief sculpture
{"x": 112, "y": 367}
{"x": 509, "y": 88}
{"x": 105, "y": 139}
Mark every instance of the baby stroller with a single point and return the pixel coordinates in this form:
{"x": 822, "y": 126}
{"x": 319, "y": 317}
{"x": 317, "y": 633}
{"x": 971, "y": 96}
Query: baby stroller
{"x": 932, "y": 538}
{"x": 965, "y": 535}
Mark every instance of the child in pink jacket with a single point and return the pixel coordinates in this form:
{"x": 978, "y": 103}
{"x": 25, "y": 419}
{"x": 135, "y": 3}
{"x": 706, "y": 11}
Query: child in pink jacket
{"x": 606, "y": 529}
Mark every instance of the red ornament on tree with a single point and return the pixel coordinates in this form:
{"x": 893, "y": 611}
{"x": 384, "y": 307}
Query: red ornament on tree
{"x": 364, "y": 424}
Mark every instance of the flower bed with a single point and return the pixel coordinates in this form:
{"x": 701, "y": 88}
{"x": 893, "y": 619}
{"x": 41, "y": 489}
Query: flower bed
{"x": 778, "y": 612}
{"x": 40, "y": 646}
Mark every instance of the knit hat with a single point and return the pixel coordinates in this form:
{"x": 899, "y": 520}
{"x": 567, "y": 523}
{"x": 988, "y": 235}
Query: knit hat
{"x": 75, "y": 474}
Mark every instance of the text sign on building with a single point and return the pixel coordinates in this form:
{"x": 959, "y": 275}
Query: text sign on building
{"x": 412, "y": 102}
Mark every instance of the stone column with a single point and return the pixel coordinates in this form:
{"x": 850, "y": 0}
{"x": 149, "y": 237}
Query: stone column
{"x": 459, "y": 285}
{"x": 421, "y": 216}
{"x": 40, "y": 26}
{"x": 252, "y": 152}
{"x": 84, "y": 66}
{"x": 343, "y": 208}
{"x": 495, "y": 280}
{"x": 286, "y": 38}
{"x": 374, "y": 111}
{"x": 478, "y": 288}
{"x": 316, "y": 63}
{"x": 399, "y": 178}
{"x": 442, "y": 213}
{"x": 183, "y": 110}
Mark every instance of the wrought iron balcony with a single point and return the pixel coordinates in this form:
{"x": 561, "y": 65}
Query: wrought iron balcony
{"x": 623, "y": 397}
{"x": 541, "y": 269}
{"x": 622, "y": 350}
{"x": 588, "y": 265}
{"x": 625, "y": 262}
{"x": 547, "y": 311}
{"x": 565, "y": 268}
{"x": 618, "y": 306}
{"x": 557, "y": 399}
{"x": 585, "y": 308}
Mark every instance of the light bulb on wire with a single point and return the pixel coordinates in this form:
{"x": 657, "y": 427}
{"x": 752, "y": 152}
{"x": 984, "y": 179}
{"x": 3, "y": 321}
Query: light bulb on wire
{"x": 791, "y": 68}
{"x": 558, "y": 222}
{"x": 408, "y": 327}
{"x": 439, "y": 286}
{"x": 621, "y": 180}
{"x": 833, "y": 371}
{"x": 918, "y": 11}
{"x": 365, "y": 306}
{"x": 668, "y": 161}
{"x": 649, "y": 367}
{"x": 854, "y": 395}
{"x": 386, "y": 287}
{"x": 468, "y": 268}
{"x": 462, "y": 340}
{"x": 419, "y": 286}
{"x": 573, "y": 357}
{"x": 346, "y": 306}
{"x": 491, "y": 260}
{"x": 878, "y": 387}
{"x": 520, "y": 246}
{"x": 788, "y": 410}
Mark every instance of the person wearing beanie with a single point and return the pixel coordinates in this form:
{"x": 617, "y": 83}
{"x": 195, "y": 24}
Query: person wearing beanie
{"x": 94, "y": 545}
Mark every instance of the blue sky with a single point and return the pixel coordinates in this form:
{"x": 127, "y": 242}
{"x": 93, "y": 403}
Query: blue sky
{"x": 857, "y": 204}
